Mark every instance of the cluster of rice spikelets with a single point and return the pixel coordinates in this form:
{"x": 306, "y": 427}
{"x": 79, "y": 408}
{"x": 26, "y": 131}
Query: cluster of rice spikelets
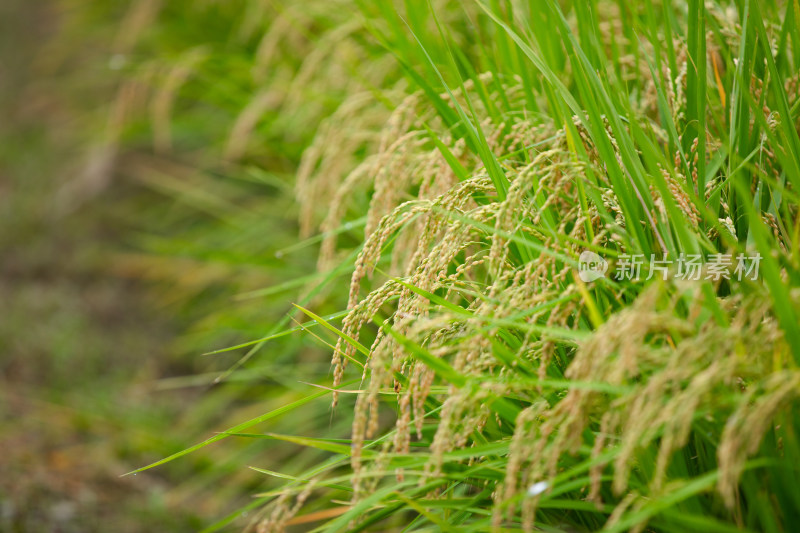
{"x": 672, "y": 368}
{"x": 456, "y": 238}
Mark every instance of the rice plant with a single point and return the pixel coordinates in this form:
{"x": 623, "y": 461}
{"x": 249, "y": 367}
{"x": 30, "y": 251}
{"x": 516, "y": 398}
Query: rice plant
{"x": 571, "y": 231}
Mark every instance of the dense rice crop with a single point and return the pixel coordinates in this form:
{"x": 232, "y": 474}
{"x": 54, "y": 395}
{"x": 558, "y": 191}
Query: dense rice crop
{"x": 460, "y": 163}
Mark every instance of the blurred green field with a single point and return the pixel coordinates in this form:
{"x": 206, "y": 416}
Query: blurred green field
{"x": 118, "y": 272}
{"x": 88, "y": 349}
{"x": 80, "y": 346}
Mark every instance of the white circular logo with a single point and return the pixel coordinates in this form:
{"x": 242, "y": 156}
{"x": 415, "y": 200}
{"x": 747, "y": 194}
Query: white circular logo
{"x": 591, "y": 266}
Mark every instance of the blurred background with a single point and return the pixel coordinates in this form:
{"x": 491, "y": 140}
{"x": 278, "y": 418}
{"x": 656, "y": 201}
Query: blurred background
{"x": 136, "y": 233}
{"x": 81, "y": 347}
{"x": 148, "y": 159}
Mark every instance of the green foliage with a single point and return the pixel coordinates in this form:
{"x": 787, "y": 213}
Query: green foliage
{"x": 455, "y": 160}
